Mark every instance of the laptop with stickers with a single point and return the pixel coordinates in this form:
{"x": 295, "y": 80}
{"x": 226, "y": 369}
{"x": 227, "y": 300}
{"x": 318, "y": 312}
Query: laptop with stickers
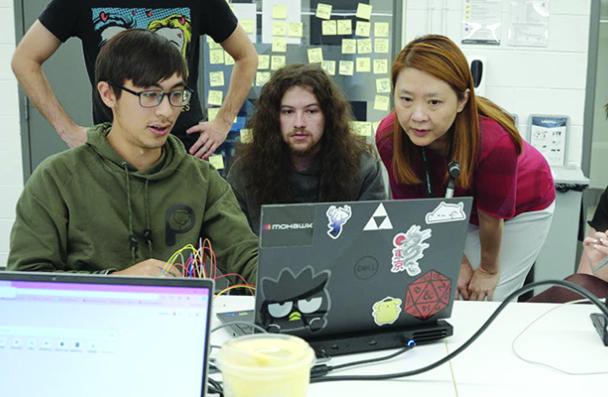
{"x": 359, "y": 276}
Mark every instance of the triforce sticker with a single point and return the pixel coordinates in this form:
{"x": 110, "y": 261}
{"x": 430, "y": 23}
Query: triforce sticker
{"x": 409, "y": 248}
{"x": 386, "y": 311}
{"x": 446, "y": 212}
{"x": 337, "y": 216}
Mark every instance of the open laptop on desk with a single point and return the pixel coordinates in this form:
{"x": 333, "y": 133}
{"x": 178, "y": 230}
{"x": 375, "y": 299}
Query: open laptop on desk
{"x": 75, "y": 335}
{"x": 358, "y": 276}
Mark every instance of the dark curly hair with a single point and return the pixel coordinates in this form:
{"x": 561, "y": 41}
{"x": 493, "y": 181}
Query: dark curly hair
{"x": 267, "y": 160}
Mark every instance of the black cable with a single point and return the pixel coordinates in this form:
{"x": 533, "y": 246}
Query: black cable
{"x": 215, "y": 387}
{"x": 565, "y": 284}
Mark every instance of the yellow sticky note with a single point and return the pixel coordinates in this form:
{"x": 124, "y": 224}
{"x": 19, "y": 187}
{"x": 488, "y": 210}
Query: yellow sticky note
{"x": 277, "y": 62}
{"x": 228, "y": 60}
{"x": 261, "y": 78}
{"x": 217, "y": 161}
{"x": 279, "y": 44}
{"x": 279, "y": 28}
{"x": 345, "y": 26}
{"x": 295, "y": 29}
{"x": 383, "y": 86}
{"x": 381, "y": 102}
{"x": 346, "y": 68}
{"x": 279, "y": 11}
{"x": 363, "y": 128}
{"x": 246, "y": 135}
{"x": 364, "y": 11}
{"x": 212, "y": 113}
{"x": 248, "y": 25}
{"x": 329, "y": 67}
{"x": 381, "y": 29}
{"x": 362, "y": 28}
{"x": 364, "y": 46}
{"x": 381, "y": 46}
{"x": 216, "y": 56}
{"x": 375, "y": 125}
{"x": 323, "y": 11}
{"x": 364, "y": 64}
{"x": 263, "y": 62}
{"x": 215, "y": 97}
{"x": 329, "y": 28}
{"x": 349, "y": 46}
{"x": 216, "y": 79}
{"x": 315, "y": 55}
{"x": 380, "y": 66}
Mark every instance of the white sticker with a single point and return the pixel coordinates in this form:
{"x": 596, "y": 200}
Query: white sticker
{"x": 446, "y": 212}
{"x": 409, "y": 248}
{"x": 379, "y": 220}
{"x": 386, "y": 311}
{"x": 337, "y": 216}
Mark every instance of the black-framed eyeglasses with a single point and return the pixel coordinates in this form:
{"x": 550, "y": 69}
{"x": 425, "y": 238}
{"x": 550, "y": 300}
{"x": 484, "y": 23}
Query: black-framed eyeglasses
{"x": 178, "y": 97}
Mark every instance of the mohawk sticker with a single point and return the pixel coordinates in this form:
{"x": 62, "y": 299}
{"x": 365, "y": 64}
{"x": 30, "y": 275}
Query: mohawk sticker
{"x": 428, "y": 295}
{"x": 337, "y": 216}
{"x": 446, "y": 212}
{"x": 386, "y": 311}
{"x": 409, "y": 248}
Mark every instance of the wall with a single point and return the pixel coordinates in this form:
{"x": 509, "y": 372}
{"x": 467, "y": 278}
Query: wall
{"x": 523, "y": 80}
{"x": 11, "y": 178}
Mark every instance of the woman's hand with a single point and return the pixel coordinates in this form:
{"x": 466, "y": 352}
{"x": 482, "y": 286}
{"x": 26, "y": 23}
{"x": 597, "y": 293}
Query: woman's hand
{"x": 482, "y": 285}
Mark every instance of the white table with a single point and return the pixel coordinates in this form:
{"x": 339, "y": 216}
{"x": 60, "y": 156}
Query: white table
{"x": 565, "y": 338}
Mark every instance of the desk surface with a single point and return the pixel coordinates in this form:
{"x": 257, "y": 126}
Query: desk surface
{"x": 564, "y": 338}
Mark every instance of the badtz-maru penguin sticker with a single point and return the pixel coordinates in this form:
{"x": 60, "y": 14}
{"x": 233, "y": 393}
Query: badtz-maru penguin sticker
{"x": 446, "y": 212}
{"x": 337, "y": 216}
{"x": 386, "y": 311}
{"x": 409, "y": 248}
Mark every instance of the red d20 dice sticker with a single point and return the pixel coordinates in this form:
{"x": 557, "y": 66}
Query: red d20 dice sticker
{"x": 428, "y": 295}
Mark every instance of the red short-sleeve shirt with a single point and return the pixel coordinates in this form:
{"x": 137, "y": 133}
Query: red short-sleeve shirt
{"x": 504, "y": 184}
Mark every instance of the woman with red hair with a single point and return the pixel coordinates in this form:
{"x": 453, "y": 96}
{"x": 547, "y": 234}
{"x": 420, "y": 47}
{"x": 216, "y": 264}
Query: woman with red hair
{"x": 438, "y": 119}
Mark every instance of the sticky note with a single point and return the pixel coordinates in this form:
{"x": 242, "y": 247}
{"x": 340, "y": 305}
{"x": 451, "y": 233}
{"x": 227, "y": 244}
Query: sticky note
{"x": 279, "y": 11}
{"x": 228, "y": 60}
{"x": 216, "y": 79}
{"x": 349, "y": 46}
{"x": 329, "y": 28}
{"x": 295, "y": 29}
{"x": 248, "y": 25}
{"x": 279, "y": 44}
{"x": 261, "y": 78}
{"x": 215, "y": 97}
{"x": 346, "y": 68}
{"x": 381, "y": 29}
{"x": 380, "y": 66}
{"x": 383, "y": 86}
{"x": 329, "y": 67}
{"x": 212, "y": 113}
{"x": 277, "y": 62}
{"x": 362, "y": 28}
{"x": 364, "y": 46}
{"x": 375, "y": 125}
{"x": 381, "y": 102}
{"x": 364, "y": 64}
{"x": 381, "y": 46}
{"x": 217, "y": 161}
{"x": 315, "y": 55}
{"x": 246, "y": 135}
{"x": 364, "y": 11}
{"x": 345, "y": 26}
{"x": 323, "y": 11}
{"x": 363, "y": 128}
{"x": 263, "y": 62}
{"x": 216, "y": 56}
{"x": 279, "y": 28}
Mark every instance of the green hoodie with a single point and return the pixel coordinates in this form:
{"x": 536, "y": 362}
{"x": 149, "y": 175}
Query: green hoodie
{"x": 87, "y": 210}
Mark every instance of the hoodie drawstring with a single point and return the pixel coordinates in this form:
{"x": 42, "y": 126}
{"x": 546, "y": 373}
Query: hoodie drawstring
{"x": 132, "y": 237}
{"x": 148, "y": 230}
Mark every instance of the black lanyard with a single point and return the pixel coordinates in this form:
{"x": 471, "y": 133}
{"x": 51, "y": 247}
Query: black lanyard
{"x": 427, "y": 174}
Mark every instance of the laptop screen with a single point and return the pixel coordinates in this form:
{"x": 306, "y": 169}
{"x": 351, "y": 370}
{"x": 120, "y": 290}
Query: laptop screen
{"x": 74, "y": 336}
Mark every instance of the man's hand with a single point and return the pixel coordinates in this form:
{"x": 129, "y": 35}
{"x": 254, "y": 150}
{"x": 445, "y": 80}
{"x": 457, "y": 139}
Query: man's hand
{"x": 75, "y": 136}
{"x": 150, "y": 268}
{"x": 464, "y": 278}
{"x": 212, "y": 135}
{"x": 596, "y": 248}
{"x": 482, "y": 285}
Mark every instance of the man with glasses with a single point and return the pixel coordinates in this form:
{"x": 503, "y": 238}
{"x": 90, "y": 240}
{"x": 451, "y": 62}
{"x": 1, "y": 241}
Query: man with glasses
{"x": 125, "y": 201}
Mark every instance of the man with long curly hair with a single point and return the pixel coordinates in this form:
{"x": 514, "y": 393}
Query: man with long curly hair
{"x": 303, "y": 147}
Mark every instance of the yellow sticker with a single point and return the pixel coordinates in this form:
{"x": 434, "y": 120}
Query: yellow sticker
{"x": 277, "y": 62}
{"x": 279, "y": 44}
{"x": 381, "y": 102}
{"x": 345, "y": 26}
{"x": 262, "y": 78}
{"x": 383, "y": 86}
{"x": 246, "y": 135}
{"x": 349, "y": 46}
{"x": 364, "y": 46}
{"x": 315, "y": 55}
{"x": 380, "y": 66}
{"x": 364, "y": 11}
{"x": 323, "y": 11}
{"x": 295, "y": 29}
{"x": 216, "y": 56}
{"x": 346, "y": 68}
{"x": 381, "y": 46}
{"x": 375, "y": 125}
{"x": 215, "y": 97}
{"x": 363, "y": 128}
{"x": 263, "y": 62}
{"x": 362, "y": 29}
{"x": 214, "y": 46}
{"x": 217, "y": 161}
{"x": 279, "y": 11}
{"x": 329, "y": 28}
{"x": 279, "y": 28}
{"x": 381, "y": 29}
{"x": 364, "y": 64}
{"x": 216, "y": 79}
{"x": 248, "y": 25}
{"x": 329, "y": 67}
{"x": 212, "y": 113}
{"x": 228, "y": 60}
